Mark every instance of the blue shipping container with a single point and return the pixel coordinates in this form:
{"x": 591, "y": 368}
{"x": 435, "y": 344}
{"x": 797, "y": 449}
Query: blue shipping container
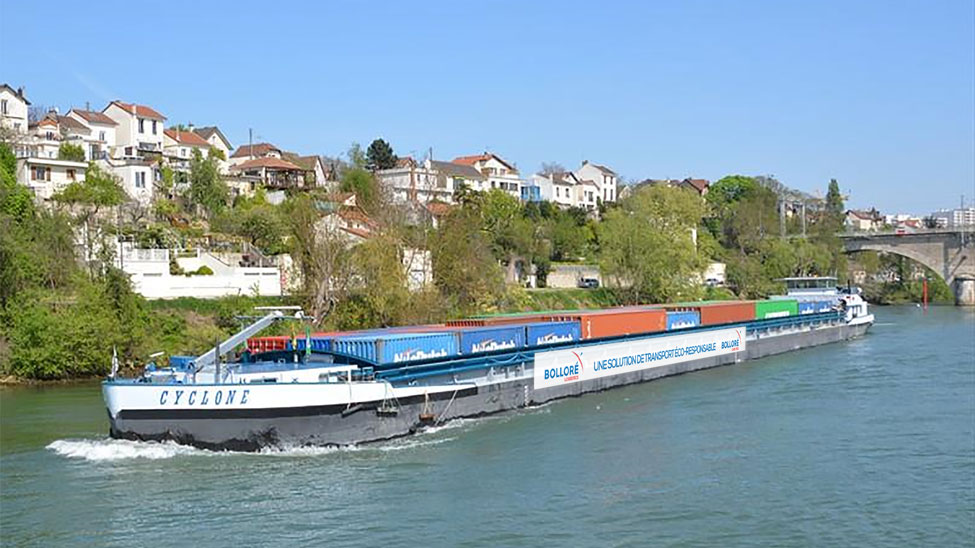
{"x": 824, "y": 306}
{"x": 682, "y": 319}
{"x": 488, "y": 339}
{"x": 807, "y": 307}
{"x": 542, "y": 333}
{"x": 398, "y": 347}
{"x": 180, "y": 362}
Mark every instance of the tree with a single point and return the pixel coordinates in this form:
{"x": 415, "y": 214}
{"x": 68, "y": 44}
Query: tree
{"x": 834, "y": 202}
{"x": 73, "y": 153}
{"x": 87, "y": 198}
{"x": 263, "y": 229}
{"x": 380, "y": 156}
{"x": 744, "y": 211}
{"x": 647, "y": 247}
{"x": 464, "y": 269}
{"x": 363, "y": 184}
{"x": 321, "y": 253}
{"x": 550, "y": 168}
{"x": 356, "y": 156}
{"x": 207, "y": 189}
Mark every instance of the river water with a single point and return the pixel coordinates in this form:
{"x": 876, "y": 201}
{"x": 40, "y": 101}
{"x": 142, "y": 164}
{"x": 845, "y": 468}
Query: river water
{"x": 868, "y": 442}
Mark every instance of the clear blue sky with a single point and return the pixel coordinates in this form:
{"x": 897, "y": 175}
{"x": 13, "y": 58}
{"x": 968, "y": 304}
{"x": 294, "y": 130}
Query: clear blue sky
{"x": 880, "y": 95}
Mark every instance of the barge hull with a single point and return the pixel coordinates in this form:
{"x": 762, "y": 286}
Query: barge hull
{"x": 339, "y": 425}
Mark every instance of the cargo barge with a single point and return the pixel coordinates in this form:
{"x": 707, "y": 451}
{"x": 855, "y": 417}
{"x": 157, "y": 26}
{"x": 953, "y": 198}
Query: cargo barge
{"x": 356, "y": 387}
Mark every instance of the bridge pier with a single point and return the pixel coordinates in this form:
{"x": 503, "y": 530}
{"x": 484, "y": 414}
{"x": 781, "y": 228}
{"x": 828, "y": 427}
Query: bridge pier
{"x": 964, "y": 289}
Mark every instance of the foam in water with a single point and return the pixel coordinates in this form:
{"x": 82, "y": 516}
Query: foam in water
{"x": 113, "y": 450}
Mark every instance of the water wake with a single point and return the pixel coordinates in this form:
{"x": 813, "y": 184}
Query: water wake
{"x": 113, "y": 450}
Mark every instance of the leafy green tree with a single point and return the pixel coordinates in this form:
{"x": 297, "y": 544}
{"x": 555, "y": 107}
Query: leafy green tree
{"x": 464, "y": 268}
{"x": 363, "y": 184}
{"x": 834, "y": 202}
{"x": 207, "y": 188}
{"x": 380, "y": 156}
{"x": 99, "y": 190}
{"x": 647, "y": 246}
{"x": 264, "y": 229}
{"x": 357, "y": 156}
{"x": 73, "y": 153}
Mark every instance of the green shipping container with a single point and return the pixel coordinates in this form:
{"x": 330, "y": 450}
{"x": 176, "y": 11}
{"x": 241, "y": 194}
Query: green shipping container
{"x": 776, "y": 308}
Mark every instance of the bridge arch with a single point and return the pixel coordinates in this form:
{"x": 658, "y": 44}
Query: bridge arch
{"x": 950, "y": 253}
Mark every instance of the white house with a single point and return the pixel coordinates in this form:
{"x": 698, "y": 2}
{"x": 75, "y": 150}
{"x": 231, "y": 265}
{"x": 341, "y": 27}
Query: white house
{"x": 219, "y": 141}
{"x": 139, "y": 130}
{"x": 605, "y": 179}
{"x": 559, "y": 188}
{"x": 178, "y": 147}
{"x": 46, "y": 176}
{"x": 498, "y": 173}
{"x": 431, "y": 181}
{"x": 13, "y": 108}
{"x": 100, "y": 140}
{"x": 138, "y": 148}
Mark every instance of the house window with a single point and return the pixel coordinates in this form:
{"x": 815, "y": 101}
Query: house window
{"x": 140, "y": 179}
{"x": 128, "y": 151}
{"x": 4, "y": 107}
{"x": 71, "y": 174}
{"x": 49, "y": 135}
{"x": 101, "y": 135}
{"x": 153, "y": 127}
{"x": 142, "y": 125}
{"x": 40, "y": 173}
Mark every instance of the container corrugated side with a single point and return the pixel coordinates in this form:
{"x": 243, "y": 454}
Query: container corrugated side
{"x": 682, "y": 319}
{"x": 474, "y": 340}
{"x": 807, "y": 307}
{"x": 543, "y": 333}
{"x": 397, "y": 347}
{"x": 776, "y": 308}
{"x": 268, "y": 343}
{"x": 824, "y": 306}
{"x": 718, "y": 312}
{"x": 618, "y": 322}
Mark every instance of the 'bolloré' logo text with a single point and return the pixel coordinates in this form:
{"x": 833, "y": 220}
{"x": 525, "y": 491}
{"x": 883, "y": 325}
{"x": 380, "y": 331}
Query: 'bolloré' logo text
{"x": 568, "y": 373}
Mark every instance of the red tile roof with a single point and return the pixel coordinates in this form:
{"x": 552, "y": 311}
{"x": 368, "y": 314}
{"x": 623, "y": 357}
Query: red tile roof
{"x": 266, "y": 162}
{"x": 186, "y": 138}
{"x": 139, "y": 110}
{"x": 700, "y": 185}
{"x": 260, "y": 149}
{"x": 471, "y": 160}
{"x": 93, "y": 117}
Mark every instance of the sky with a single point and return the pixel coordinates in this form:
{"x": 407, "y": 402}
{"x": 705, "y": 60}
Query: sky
{"x": 877, "y": 94}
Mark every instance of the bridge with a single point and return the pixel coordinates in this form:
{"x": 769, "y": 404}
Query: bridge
{"x": 949, "y": 252}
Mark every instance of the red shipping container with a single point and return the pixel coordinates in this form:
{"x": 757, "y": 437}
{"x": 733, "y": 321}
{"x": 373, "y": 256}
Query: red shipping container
{"x": 267, "y": 344}
{"x": 616, "y": 322}
{"x": 720, "y": 312}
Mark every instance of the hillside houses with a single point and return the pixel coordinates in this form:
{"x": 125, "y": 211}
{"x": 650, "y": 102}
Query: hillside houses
{"x": 132, "y": 142}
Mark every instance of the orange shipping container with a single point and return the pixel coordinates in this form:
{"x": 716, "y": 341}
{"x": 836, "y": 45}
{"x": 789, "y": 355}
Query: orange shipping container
{"x": 720, "y": 312}
{"x": 616, "y": 323}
